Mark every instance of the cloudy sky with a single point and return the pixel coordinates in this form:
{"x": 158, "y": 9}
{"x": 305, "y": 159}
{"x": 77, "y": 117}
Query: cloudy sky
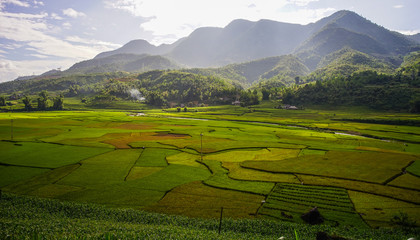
{"x": 40, "y": 35}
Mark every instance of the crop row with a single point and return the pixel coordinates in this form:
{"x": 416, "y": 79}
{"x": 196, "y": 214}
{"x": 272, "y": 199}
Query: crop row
{"x": 309, "y": 204}
{"x": 33, "y": 218}
{"x": 297, "y": 199}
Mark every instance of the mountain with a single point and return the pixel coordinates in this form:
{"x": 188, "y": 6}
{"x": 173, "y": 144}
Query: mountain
{"x": 240, "y": 41}
{"x": 281, "y": 69}
{"x": 139, "y": 47}
{"x": 245, "y": 41}
{"x": 415, "y": 37}
{"x": 347, "y": 29}
{"x": 347, "y": 61}
{"x": 122, "y": 62}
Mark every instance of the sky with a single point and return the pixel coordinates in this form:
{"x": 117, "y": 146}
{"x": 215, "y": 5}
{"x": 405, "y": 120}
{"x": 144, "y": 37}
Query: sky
{"x": 40, "y": 35}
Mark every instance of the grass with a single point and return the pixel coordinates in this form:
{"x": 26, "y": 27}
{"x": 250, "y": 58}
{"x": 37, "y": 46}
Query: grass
{"x": 366, "y": 166}
{"x": 406, "y": 181}
{"x": 198, "y": 200}
{"x": 289, "y": 201}
{"x": 239, "y": 173}
{"x": 415, "y": 168}
{"x": 141, "y": 172}
{"x": 185, "y": 158}
{"x": 404, "y": 195}
{"x": 152, "y": 157}
{"x": 220, "y": 179}
{"x": 98, "y": 157}
{"x": 378, "y": 210}
{"x": 44, "y": 155}
{"x": 24, "y": 217}
{"x": 102, "y": 170}
{"x": 11, "y": 174}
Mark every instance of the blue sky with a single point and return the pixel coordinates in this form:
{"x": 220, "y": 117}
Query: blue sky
{"x": 40, "y": 35}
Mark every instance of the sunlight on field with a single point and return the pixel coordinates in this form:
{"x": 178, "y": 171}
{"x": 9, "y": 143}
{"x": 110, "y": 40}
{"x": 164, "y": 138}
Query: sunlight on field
{"x": 153, "y": 162}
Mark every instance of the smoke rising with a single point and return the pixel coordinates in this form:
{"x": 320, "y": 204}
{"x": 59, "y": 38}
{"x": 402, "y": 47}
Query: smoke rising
{"x": 136, "y": 94}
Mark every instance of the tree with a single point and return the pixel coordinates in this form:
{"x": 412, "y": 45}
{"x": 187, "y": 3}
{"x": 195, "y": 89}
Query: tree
{"x": 43, "y": 100}
{"x": 27, "y": 101}
{"x": 154, "y": 98}
{"x": 297, "y": 80}
{"x": 58, "y": 102}
{"x": 415, "y": 105}
{"x": 73, "y": 90}
{"x": 265, "y": 94}
{"x": 2, "y": 101}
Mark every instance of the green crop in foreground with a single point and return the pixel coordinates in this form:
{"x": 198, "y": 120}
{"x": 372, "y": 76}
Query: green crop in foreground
{"x": 24, "y": 217}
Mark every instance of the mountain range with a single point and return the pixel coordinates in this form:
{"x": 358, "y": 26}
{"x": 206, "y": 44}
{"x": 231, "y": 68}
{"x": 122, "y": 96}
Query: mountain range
{"x": 252, "y": 52}
{"x": 243, "y": 41}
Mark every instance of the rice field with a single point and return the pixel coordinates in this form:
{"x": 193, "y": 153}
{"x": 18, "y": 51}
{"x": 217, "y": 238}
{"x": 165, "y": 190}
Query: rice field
{"x": 262, "y": 164}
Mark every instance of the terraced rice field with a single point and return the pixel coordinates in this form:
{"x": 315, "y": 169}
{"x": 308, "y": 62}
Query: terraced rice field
{"x": 268, "y": 163}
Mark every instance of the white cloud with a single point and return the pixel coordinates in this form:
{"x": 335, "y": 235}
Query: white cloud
{"x": 70, "y": 12}
{"x": 408, "y": 32}
{"x": 398, "y": 6}
{"x": 10, "y": 70}
{"x": 171, "y": 20}
{"x": 301, "y": 3}
{"x": 40, "y": 3}
{"x": 14, "y": 2}
{"x": 66, "y": 25}
{"x": 56, "y": 16}
{"x": 98, "y": 45}
{"x": 31, "y": 31}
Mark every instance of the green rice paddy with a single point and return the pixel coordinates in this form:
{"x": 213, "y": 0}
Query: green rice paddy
{"x": 266, "y": 163}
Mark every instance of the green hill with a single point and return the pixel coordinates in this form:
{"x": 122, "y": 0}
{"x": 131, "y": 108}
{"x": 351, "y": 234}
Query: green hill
{"x": 281, "y": 70}
{"x": 347, "y": 61}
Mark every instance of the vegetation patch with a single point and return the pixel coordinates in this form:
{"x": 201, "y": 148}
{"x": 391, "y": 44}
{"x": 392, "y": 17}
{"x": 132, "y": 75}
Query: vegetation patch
{"x": 378, "y": 189}
{"x": 308, "y": 151}
{"x": 406, "y": 181}
{"x": 415, "y": 168}
{"x": 121, "y": 140}
{"x": 239, "y": 173}
{"x": 377, "y": 211}
{"x": 52, "y": 219}
{"x": 12, "y": 174}
{"x": 365, "y": 166}
{"x": 141, "y": 172}
{"x": 29, "y": 186}
{"x": 198, "y": 200}
{"x": 103, "y": 170}
{"x": 154, "y": 157}
{"x": 290, "y": 201}
{"x": 220, "y": 179}
{"x": 185, "y": 158}
{"x": 44, "y": 155}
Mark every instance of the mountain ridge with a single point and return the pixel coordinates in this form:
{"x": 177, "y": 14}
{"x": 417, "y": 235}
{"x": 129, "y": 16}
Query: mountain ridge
{"x": 243, "y": 40}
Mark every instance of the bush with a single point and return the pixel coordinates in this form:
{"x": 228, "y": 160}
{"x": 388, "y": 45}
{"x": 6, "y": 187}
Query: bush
{"x": 402, "y": 219}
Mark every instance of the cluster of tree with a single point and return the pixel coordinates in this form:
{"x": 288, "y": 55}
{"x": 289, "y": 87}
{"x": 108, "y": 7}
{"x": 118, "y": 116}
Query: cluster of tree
{"x": 162, "y": 87}
{"x": 87, "y": 83}
{"x": 380, "y": 91}
{"x": 43, "y": 102}
{"x": 2, "y": 101}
